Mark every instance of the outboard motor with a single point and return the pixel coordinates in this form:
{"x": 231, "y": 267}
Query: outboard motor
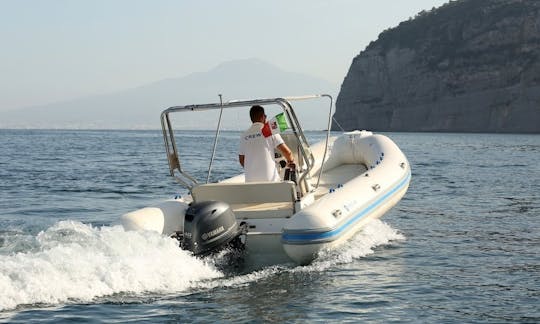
{"x": 210, "y": 226}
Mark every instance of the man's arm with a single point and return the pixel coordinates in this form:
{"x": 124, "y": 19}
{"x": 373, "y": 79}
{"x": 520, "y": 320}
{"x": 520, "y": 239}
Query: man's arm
{"x": 286, "y": 153}
{"x": 241, "y": 160}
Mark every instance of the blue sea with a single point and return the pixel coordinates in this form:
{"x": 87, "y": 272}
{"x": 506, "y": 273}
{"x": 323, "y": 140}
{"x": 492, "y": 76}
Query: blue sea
{"x": 463, "y": 246}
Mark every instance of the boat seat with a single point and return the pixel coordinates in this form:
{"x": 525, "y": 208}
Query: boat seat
{"x": 252, "y": 199}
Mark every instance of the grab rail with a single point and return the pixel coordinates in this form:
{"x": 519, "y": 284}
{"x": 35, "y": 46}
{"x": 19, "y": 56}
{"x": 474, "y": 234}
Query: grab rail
{"x": 172, "y": 154}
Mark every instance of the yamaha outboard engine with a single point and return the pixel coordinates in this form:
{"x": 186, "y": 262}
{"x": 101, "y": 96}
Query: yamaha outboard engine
{"x": 210, "y": 226}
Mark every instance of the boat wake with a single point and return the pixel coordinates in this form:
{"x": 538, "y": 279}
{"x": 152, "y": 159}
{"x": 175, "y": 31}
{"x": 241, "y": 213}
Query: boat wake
{"x": 374, "y": 234}
{"x": 72, "y": 262}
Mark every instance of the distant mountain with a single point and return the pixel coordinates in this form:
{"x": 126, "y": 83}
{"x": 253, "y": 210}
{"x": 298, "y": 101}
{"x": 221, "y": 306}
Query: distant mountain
{"x": 139, "y": 108}
{"x": 468, "y": 66}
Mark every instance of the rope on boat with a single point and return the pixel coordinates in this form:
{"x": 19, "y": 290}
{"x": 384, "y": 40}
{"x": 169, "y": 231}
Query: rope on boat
{"x": 335, "y": 121}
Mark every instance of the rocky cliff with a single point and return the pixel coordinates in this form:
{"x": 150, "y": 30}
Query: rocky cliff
{"x": 468, "y": 66}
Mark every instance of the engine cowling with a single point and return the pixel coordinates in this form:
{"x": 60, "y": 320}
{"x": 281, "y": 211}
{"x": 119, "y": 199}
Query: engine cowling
{"x": 209, "y": 226}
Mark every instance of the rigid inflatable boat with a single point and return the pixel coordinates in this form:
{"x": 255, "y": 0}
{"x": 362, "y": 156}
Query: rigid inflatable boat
{"x": 337, "y": 186}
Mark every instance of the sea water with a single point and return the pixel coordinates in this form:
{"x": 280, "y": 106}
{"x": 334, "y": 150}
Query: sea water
{"x": 462, "y": 246}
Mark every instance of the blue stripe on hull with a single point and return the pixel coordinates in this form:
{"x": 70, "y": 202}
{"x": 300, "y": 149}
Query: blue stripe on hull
{"x": 319, "y": 237}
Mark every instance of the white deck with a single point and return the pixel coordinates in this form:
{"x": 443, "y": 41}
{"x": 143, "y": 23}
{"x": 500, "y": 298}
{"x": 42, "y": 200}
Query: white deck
{"x": 272, "y": 200}
{"x": 263, "y": 210}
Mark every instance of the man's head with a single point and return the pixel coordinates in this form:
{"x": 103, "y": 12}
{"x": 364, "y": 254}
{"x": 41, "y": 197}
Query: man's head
{"x": 256, "y": 113}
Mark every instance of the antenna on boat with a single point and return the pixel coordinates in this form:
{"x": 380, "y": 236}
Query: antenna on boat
{"x": 216, "y": 139}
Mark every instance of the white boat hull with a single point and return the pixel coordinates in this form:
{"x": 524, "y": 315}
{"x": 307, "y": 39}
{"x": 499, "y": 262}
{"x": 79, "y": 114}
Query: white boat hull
{"x": 304, "y": 246}
{"x": 364, "y": 176}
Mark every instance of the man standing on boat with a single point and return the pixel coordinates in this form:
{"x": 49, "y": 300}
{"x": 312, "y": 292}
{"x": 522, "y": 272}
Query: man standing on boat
{"x": 256, "y": 153}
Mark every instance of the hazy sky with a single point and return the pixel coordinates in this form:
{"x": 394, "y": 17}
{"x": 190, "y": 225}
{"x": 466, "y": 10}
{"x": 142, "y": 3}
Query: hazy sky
{"x": 54, "y": 50}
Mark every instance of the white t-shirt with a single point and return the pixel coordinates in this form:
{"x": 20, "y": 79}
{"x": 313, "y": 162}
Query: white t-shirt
{"x": 258, "y": 152}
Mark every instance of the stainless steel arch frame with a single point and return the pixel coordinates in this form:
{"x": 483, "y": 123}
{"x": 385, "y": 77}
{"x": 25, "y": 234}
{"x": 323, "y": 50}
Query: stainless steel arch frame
{"x": 175, "y": 167}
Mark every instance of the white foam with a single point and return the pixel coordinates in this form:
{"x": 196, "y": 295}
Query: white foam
{"x": 374, "y": 234}
{"x": 75, "y": 262}
{"x": 78, "y": 262}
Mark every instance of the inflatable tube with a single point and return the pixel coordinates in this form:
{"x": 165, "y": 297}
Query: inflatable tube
{"x": 343, "y": 211}
{"x": 165, "y": 218}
